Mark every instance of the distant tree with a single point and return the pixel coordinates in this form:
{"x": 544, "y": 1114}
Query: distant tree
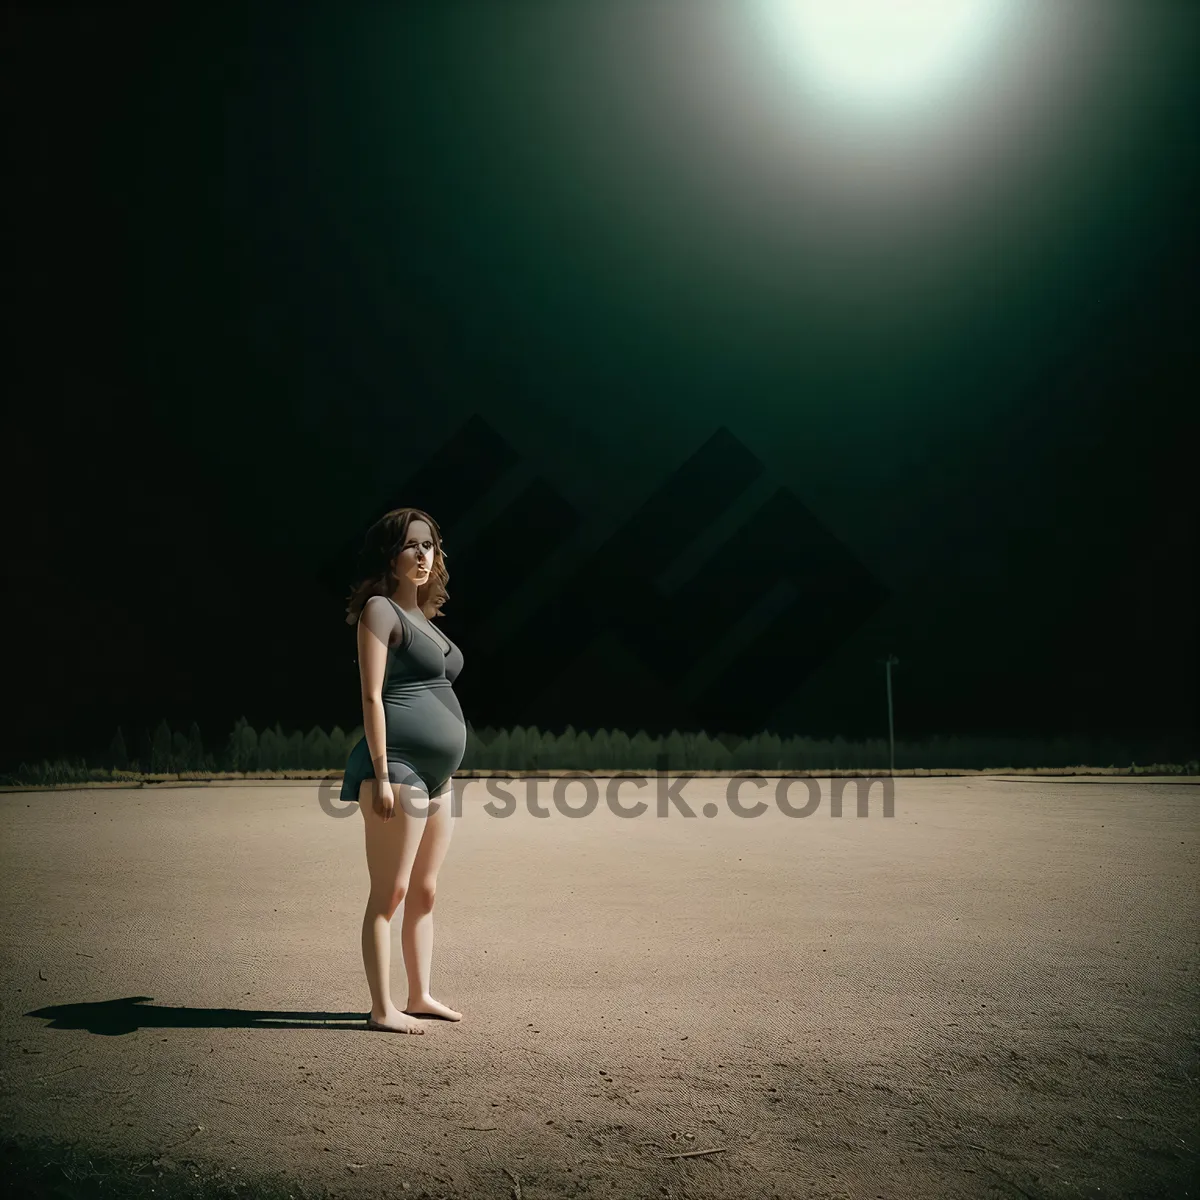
{"x": 160, "y": 748}
{"x": 295, "y": 751}
{"x": 339, "y": 748}
{"x": 565, "y": 749}
{"x": 179, "y": 752}
{"x": 498, "y": 752}
{"x": 703, "y": 753}
{"x": 145, "y": 749}
{"x": 267, "y": 758}
{"x": 241, "y": 751}
{"x": 118, "y": 756}
{"x": 675, "y": 751}
{"x": 316, "y": 750}
{"x": 584, "y": 759}
{"x": 641, "y": 751}
{"x": 195, "y": 750}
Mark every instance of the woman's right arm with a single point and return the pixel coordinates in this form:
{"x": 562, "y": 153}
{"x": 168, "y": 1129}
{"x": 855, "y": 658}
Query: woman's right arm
{"x": 375, "y": 627}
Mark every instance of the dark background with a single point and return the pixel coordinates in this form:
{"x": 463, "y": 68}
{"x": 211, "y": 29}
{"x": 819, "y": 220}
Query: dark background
{"x": 689, "y": 370}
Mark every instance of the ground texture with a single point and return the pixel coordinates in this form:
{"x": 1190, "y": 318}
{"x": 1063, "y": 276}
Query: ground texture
{"x": 991, "y": 992}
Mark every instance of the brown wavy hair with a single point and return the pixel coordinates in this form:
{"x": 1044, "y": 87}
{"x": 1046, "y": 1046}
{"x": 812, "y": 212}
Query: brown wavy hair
{"x": 383, "y": 541}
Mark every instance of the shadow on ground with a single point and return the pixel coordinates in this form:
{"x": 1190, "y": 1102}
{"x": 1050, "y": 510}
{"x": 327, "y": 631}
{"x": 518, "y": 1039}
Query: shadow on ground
{"x": 111, "y": 1018}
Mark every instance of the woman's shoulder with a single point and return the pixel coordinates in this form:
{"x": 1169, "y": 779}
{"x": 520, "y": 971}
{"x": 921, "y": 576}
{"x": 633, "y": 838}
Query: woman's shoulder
{"x": 380, "y": 614}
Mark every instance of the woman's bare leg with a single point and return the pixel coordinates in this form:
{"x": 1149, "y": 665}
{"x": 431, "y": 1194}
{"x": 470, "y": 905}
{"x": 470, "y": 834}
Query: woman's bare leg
{"x": 416, "y": 927}
{"x": 391, "y": 848}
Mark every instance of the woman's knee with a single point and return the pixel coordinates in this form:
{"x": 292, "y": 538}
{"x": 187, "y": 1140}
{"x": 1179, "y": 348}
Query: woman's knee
{"x": 421, "y": 895}
{"x": 384, "y": 902}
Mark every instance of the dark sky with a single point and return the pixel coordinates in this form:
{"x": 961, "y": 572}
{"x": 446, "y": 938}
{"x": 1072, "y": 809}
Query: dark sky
{"x": 720, "y": 394}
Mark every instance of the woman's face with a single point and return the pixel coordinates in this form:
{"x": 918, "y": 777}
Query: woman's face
{"x": 415, "y": 560}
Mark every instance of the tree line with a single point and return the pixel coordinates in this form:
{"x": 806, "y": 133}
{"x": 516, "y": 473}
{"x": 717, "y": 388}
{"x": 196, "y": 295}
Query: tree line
{"x": 165, "y": 751}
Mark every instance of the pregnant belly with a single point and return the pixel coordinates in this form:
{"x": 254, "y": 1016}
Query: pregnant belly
{"x": 426, "y": 720}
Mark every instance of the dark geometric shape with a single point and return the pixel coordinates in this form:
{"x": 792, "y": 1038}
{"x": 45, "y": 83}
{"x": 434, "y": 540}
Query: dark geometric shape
{"x": 514, "y": 543}
{"x": 783, "y": 540}
{"x": 446, "y": 485}
{"x": 781, "y": 554}
{"x": 456, "y": 476}
{"x": 834, "y": 594}
{"x": 606, "y": 687}
{"x": 609, "y": 590}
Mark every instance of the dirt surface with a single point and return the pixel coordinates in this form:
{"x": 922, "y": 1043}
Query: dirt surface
{"x": 992, "y": 992}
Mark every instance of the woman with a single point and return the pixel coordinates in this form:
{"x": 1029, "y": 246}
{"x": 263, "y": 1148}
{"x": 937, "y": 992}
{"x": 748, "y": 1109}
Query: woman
{"x": 401, "y": 770}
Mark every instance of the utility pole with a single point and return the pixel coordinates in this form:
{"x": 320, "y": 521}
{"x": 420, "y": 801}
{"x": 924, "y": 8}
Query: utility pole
{"x": 889, "y": 663}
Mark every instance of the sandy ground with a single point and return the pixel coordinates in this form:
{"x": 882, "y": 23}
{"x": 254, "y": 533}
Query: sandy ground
{"x": 991, "y": 993}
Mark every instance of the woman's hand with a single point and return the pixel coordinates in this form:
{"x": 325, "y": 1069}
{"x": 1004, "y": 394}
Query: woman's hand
{"x": 384, "y": 801}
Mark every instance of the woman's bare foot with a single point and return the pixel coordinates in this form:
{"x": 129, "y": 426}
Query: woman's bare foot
{"x": 427, "y": 1006}
{"x": 394, "y": 1022}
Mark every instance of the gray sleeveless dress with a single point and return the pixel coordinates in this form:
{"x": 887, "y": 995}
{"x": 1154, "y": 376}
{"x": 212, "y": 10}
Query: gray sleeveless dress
{"x": 426, "y": 730}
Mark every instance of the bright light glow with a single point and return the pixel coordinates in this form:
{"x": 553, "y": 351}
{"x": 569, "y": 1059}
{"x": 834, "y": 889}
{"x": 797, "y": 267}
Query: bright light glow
{"x": 882, "y": 53}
